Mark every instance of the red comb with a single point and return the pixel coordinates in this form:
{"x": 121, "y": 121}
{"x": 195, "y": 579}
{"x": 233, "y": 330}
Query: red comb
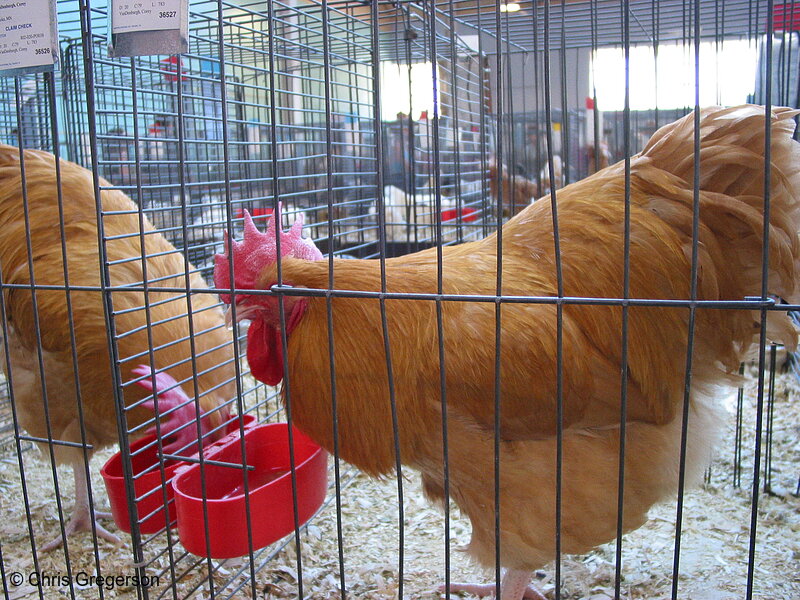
{"x": 258, "y": 250}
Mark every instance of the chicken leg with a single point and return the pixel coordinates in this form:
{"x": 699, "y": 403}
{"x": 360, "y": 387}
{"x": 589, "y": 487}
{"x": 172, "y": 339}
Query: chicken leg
{"x": 514, "y": 586}
{"x": 81, "y": 519}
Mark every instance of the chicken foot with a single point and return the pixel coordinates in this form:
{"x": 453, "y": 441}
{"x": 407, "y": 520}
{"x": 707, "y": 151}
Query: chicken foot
{"x": 81, "y": 518}
{"x": 514, "y": 586}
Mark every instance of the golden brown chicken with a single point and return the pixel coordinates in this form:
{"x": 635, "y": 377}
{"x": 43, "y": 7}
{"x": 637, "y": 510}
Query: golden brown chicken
{"x": 590, "y": 216}
{"x": 58, "y": 401}
{"x": 517, "y": 191}
{"x": 596, "y": 160}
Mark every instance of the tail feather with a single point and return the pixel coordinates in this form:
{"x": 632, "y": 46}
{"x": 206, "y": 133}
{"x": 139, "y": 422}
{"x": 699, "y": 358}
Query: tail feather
{"x": 732, "y": 182}
{"x": 732, "y": 202}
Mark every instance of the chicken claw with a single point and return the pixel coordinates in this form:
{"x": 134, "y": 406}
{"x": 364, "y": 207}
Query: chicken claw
{"x": 81, "y": 519}
{"x": 180, "y": 410}
{"x": 513, "y": 587}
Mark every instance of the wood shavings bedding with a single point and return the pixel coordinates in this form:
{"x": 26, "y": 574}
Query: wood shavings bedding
{"x": 714, "y": 545}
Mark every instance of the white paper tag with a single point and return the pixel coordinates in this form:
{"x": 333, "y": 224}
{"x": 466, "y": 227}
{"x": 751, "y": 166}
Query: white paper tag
{"x": 145, "y": 15}
{"x": 27, "y": 34}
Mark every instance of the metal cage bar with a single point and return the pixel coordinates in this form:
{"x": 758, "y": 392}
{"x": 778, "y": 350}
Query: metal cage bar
{"x": 316, "y": 109}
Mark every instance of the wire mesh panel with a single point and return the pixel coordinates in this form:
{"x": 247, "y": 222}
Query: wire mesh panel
{"x": 436, "y": 149}
{"x": 25, "y": 112}
{"x": 558, "y": 372}
{"x": 138, "y": 104}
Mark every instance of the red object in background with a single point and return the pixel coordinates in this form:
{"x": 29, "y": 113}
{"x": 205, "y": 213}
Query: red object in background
{"x": 269, "y": 492}
{"x": 169, "y": 68}
{"x": 256, "y": 213}
{"x": 157, "y": 129}
{"x": 589, "y": 103}
{"x": 786, "y": 17}
{"x": 467, "y": 214}
{"x": 147, "y": 483}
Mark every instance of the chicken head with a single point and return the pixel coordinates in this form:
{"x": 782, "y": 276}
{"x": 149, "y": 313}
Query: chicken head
{"x": 252, "y": 259}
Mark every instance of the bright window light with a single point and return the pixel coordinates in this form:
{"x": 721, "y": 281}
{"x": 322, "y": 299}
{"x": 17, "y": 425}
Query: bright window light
{"x": 511, "y": 7}
{"x": 398, "y": 97}
{"x": 726, "y": 77}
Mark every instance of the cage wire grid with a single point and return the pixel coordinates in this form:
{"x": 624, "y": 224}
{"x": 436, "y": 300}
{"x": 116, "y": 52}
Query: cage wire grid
{"x": 282, "y": 101}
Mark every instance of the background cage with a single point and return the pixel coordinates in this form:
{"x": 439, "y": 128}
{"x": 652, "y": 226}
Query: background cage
{"x": 282, "y": 100}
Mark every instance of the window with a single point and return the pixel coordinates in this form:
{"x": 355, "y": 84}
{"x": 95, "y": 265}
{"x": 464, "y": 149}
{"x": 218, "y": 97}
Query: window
{"x": 398, "y": 97}
{"x": 726, "y": 77}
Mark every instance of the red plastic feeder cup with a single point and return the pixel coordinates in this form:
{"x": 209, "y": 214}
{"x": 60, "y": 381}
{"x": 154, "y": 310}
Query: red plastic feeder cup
{"x": 269, "y": 487}
{"x": 151, "y": 511}
{"x": 152, "y": 514}
{"x": 467, "y": 214}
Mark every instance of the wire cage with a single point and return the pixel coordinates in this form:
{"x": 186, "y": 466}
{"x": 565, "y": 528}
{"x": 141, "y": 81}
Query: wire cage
{"x": 397, "y": 131}
{"x": 26, "y": 112}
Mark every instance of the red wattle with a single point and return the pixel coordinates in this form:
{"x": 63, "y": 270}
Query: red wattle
{"x": 265, "y": 352}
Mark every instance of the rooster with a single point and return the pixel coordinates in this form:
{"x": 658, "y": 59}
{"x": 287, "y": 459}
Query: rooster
{"x": 29, "y": 210}
{"x": 591, "y": 214}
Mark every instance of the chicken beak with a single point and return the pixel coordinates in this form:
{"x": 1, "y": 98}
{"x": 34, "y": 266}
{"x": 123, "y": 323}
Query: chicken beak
{"x": 243, "y": 312}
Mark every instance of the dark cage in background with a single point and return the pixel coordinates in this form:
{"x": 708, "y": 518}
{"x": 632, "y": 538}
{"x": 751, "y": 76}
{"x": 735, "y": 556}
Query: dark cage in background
{"x": 389, "y": 127}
